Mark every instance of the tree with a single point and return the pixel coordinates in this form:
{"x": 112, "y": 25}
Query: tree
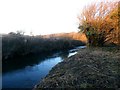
{"x": 97, "y": 23}
{"x": 20, "y": 32}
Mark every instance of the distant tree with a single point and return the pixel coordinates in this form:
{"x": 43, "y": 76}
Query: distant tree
{"x": 31, "y": 33}
{"x": 12, "y": 33}
{"x": 98, "y": 22}
{"x": 20, "y": 32}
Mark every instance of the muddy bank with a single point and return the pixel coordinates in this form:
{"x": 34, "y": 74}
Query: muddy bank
{"x": 89, "y": 68}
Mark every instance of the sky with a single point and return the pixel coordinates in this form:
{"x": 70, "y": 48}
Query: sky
{"x": 40, "y": 16}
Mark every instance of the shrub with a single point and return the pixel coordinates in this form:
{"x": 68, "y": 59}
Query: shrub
{"x": 99, "y": 22}
{"x": 20, "y": 45}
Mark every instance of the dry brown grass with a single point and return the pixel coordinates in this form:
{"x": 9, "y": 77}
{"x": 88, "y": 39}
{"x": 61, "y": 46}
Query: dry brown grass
{"x": 90, "y": 68}
{"x": 72, "y": 35}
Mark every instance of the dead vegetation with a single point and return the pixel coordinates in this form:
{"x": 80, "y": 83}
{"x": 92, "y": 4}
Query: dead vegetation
{"x": 17, "y": 44}
{"x": 100, "y": 22}
{"x": 72, "y": 35}
{"x": 90, "y": 68}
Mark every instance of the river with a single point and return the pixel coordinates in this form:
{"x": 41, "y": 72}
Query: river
{"x": 27, "y": 74}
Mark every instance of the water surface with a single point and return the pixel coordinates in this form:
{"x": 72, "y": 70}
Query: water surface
{"x": 27, "y": 74}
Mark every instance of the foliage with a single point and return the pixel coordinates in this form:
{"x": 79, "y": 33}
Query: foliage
{"x": 99, "y": 22}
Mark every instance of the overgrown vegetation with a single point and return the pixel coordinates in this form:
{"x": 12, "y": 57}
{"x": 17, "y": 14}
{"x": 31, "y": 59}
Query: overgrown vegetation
{"x": 96, "y": 67}
{"x": 89, "y": 68}
{"x": 72, "y": 35}
{"x": 100, "y": 23}
{"x": 17, "y": 44}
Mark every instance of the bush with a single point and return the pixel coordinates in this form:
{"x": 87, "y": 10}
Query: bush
{"x": 20, "y": 45}
{"x": 99, "y": 22}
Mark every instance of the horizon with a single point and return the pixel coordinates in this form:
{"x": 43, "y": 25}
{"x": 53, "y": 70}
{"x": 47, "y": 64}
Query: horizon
{"x": 41, "y": 17}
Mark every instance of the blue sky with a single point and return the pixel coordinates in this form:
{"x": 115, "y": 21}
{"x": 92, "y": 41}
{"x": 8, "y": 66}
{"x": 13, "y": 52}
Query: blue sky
{"x": 40, "y": 16}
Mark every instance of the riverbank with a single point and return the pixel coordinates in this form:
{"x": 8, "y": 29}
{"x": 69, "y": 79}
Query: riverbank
{"x": 89, "y": 68}
{"x": 17, "y": 45}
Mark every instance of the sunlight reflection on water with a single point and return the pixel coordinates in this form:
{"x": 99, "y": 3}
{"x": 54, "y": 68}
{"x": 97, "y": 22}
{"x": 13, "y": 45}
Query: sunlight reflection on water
{"x": 30, "y": 75}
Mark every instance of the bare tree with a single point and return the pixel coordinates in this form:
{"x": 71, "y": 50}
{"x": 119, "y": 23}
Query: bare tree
{"x": 97, "y": 24}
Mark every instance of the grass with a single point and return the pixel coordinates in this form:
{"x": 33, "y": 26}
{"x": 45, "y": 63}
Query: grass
{"x": 90, "y": 68}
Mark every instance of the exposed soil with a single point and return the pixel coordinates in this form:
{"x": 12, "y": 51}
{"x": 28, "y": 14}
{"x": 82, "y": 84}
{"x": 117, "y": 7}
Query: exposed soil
{"x": 89, "y": 68}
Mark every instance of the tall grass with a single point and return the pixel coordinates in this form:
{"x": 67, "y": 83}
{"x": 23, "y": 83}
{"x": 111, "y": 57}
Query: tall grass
{"x": 19, "y": 45}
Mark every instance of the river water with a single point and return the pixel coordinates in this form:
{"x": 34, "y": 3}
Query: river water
{"x": 26, "y": 72}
